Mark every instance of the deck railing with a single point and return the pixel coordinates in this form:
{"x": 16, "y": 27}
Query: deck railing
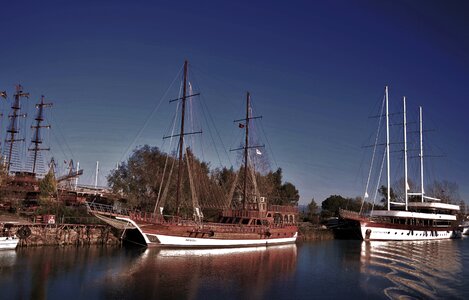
{"x": 153, "y": 218}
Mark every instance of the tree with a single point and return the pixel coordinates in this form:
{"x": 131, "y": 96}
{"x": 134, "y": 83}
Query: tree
{"x": 289, "y": 194}
{"x": 48, "y": 186}
{"x": 139, "y": 178}
{"x": 311, "y": 213}
{"x": 446, "y": 191}
{"x": 383, "y": 191}
{"x": 144, "y": 178}
{"x": 331, "y": 206}
{"x": 277, "y": 192}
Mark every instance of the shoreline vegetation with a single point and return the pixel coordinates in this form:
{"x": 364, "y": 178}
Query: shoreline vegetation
{"x": 310, "y": 232}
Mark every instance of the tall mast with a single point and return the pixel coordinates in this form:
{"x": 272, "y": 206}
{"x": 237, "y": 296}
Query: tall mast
{"x": 421, "y": 154}
{"x": 246, "y": 147}
{"x": 37, "y": 133}
{"x": 181, "y": 138}
{"x": 387, "y": 150}
{"x": 405, "y": 156}
{"x": 96, "y": 175}
{"x": 13, "y": 130}
{"x": 3, "y": 94}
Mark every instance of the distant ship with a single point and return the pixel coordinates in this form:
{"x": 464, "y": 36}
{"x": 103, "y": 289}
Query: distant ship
{"x": 256, "y": 223}
{"x": 21, "y": 172}
{"x": 425, "y": 218}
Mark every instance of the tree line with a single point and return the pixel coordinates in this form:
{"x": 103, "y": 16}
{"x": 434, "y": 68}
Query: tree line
{"x": 143, "y": 180}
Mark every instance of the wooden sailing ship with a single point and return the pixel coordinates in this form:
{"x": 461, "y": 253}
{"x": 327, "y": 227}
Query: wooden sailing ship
{"x": 254, "y": 223}
{"x": 21, "y": 183}
{"x": 20, "y": 172}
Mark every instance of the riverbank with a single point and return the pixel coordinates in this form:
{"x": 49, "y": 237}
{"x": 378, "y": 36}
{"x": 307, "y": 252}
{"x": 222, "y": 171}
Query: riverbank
{"x": 310, "y": 232}
{"x": 32, "y": 234}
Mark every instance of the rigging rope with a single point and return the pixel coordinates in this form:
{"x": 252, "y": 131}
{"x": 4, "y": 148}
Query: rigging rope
{"x": 145, "y": 124}
{"x": 378, "y": 181}
{"x": 373, "y": 155}
{"x": 160, "y": 197}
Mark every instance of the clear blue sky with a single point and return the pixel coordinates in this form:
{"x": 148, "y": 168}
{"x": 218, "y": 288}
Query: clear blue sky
{"x": 316, "y": 71}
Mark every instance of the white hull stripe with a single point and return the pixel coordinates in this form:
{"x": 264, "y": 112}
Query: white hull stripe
{"x": 168, "y": 240}
{"x": 391, "y": 234}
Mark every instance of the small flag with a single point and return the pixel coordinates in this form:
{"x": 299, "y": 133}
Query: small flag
{"x": 241, "y": 125}
{"x": 258, "y": 152}
{"x": 407, "y": 186}
{"x": 366, "y": 195}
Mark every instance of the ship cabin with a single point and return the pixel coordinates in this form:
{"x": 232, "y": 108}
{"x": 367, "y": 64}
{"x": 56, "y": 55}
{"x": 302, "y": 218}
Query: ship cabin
{"x": 419, "y": 214}
{"x": 260, "y": 213}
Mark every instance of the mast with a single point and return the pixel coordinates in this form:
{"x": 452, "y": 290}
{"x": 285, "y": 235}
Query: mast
{"x": 246, "y": 145}
{"x": 405, "y": 156}
{"x": 387, "y": 150}
{"x": 96, "y": 178}
{"x": 181, "y": 139}
{"x": 421, "y": 154}
{"x": 3, "y": 94}
{"x": 37, "y": 133}
{"x": 13, "y": 130}
{"x": 181, "y": 135}
{"x": 76, "y": 179}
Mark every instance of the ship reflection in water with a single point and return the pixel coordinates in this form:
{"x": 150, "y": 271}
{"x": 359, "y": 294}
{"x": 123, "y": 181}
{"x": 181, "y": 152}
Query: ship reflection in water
{"x": 185, "y": 274}
{"x": 335, "y": 269}
{"x": 421, "y": 270}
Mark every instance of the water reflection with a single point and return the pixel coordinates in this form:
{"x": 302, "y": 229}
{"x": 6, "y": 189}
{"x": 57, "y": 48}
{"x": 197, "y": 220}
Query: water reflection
{"x": 7, "y": 258}
{"x": 165, "y": 273}
{"x": 425, "y": 269}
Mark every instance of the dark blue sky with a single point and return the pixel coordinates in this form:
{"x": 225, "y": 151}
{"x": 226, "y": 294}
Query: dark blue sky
{"x": 316, "y": 71}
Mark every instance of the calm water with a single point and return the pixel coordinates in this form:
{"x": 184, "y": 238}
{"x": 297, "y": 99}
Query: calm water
{"x": 332, "y": 269}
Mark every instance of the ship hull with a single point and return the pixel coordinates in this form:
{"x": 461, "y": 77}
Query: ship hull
{"x": 177, "y": 241}
{"x": 374, "y": 231}
{"x": 212, "y": 236}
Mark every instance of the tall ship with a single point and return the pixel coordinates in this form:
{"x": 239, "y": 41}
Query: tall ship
{"x": 418, "y": 216}
{"x": 255, "y": 222}
{"x": 22, "y": 168}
